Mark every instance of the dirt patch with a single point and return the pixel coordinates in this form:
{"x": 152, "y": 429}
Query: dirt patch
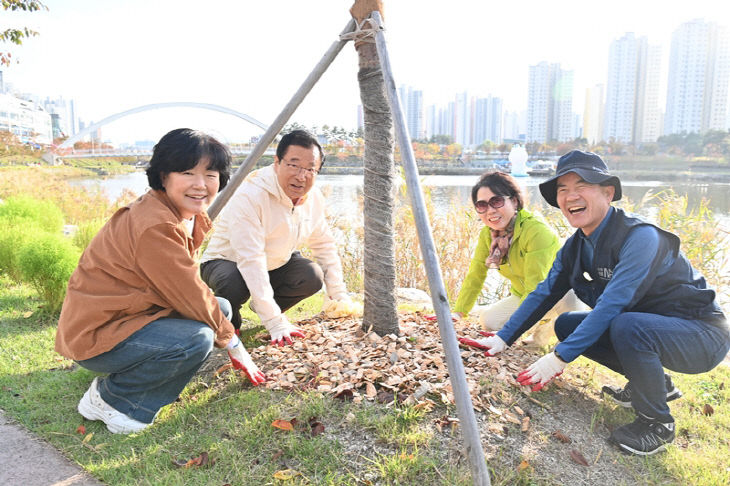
{"x": 517, "y": 427}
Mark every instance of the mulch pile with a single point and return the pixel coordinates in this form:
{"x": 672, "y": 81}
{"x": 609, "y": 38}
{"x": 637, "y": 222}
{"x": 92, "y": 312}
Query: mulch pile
{"x": 339, "y": 358}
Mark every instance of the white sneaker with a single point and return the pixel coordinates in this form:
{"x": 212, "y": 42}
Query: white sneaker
{"x": 93, "y": 407}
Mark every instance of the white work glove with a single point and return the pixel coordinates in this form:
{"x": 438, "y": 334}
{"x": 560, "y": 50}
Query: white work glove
{"x": 542, "y": 371}
{"x": 341, "y": 306}
{"x": 281, "y": 330}
{"x": 493, "y": 345}
{"x": 242, "y": 361}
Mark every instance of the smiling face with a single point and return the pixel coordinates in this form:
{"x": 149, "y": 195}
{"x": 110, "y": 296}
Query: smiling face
{"x": 192, "y": 191}
{"x": 497, "y": 219}
{"x": 583, "y": 204}
{"x": 291, "y": 170}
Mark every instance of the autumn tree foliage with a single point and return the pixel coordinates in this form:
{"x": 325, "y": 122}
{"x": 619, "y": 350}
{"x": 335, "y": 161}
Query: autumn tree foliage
{"x": 13, "y": 35}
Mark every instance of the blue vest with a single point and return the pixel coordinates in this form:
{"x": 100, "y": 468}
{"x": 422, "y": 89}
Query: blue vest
{"x": 681, "y": 291}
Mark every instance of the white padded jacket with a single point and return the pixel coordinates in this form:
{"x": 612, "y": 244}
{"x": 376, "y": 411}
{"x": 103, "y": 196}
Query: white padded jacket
{"x": 260, "y": 228}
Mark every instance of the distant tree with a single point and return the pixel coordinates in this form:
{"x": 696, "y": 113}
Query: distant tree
{"x": 13, "y": 35}
{"x": 648, "y": 149}
{"x": 693, "y": 144}
{"x": 441, "y": 139}
{"x": 672, "y": 143}
{"x": 565, "y": 147}
{"x": 533, "y": 147}
{"x": 615, "y": 147}
{"x": 453, "y": 150}
{"x": 487, "y": 146}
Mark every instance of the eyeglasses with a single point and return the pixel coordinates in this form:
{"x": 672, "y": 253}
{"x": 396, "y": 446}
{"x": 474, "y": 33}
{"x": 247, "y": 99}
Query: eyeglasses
{"x": 495, "y": 201}
{"x": 294, "y": 168}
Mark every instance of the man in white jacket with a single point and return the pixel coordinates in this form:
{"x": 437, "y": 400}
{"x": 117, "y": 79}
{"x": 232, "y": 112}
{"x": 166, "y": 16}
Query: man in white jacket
{"x": 253, "y": 250}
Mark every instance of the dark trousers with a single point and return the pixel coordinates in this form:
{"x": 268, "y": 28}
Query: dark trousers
{"x": 294, "y": 281}
{"x": 638, "y": 345}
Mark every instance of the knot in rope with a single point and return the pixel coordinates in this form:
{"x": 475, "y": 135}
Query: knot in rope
{"x": 364, "y": 31}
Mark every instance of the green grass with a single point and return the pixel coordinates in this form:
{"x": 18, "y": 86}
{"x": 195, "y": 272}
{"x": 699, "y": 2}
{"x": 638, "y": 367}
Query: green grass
{"x": 699, "y": 454}
{"x": 226, "y": 418}
{"x": 362, "y": 443}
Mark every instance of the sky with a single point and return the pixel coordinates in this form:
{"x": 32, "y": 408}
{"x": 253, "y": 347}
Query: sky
{"x": 251, "y": 56}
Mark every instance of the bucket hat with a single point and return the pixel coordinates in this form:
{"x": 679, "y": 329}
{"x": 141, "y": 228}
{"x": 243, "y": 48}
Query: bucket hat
{"x": 589, "y": 166}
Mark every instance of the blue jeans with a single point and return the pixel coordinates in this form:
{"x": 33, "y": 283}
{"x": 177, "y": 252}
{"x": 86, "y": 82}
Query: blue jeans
{"x": 150, "y": 368}
{"x": 638, "y": 346}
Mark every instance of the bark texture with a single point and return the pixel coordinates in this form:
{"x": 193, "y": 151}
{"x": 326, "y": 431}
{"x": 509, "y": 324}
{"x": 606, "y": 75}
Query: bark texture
{"x": 380, "y": 311}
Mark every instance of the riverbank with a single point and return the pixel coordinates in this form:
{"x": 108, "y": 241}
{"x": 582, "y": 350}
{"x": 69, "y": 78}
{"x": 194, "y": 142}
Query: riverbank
{"x": 715, "y": 174}
{"x": 641, "y": 168}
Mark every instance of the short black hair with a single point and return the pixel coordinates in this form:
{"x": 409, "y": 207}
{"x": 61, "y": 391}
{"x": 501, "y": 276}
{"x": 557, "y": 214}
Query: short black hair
{"x": 500, "y": 184}
{"x": 300, "y": 138}
{"x": 181, "y": 149}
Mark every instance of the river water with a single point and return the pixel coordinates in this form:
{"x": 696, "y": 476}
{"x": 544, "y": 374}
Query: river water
{"x": 344, "y": 191}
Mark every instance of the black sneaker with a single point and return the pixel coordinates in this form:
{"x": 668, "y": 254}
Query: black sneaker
{"x": 622, "y": 396}
{"x": 643, "y": 437}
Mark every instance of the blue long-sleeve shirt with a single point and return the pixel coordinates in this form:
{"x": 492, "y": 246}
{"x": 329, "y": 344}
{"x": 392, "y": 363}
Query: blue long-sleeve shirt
{"x": 642, "y": 244}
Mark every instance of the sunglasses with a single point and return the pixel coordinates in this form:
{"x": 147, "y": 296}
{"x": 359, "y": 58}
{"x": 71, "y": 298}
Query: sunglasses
{"x": 495, "y": 201}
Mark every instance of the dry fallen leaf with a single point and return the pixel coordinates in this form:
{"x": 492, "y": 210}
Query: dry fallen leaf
{"x": 283, "y": 425}
{"x": 223, "y": 368}
{"x": 81, "y": 430}
{"x": 578, "y": 457}
{"x": 27, "y": 314}
{"x": 317, "y": 426}
{"x": 88, "y": 438}
{"x": 203, "y": 460}
{"x": 525, "y": 424}
{"x": 285, "y": 474}
{"x": 561, "y": 437}
{"x": 345, "y": 395}
{"x": 708, "y": 410}
{"x": 340, "y": 358}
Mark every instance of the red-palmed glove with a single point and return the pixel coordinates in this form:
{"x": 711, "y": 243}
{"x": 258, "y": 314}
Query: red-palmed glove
{"x": 494, "y": 345}
{"x": 281, "y": 330}
{"x": 242, "y": 361}
{"x": 455, "y": 317}
{"x": 542, "y": 371}
{"x": 477, "y": 343}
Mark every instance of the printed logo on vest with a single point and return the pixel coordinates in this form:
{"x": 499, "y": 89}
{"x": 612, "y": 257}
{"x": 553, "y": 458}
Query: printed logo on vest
{"x": 605, "y": 273}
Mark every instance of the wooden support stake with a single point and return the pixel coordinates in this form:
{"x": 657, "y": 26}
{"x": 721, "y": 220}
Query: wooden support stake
{"x": 464, "y": 407}
{"x": 279, "y": 123}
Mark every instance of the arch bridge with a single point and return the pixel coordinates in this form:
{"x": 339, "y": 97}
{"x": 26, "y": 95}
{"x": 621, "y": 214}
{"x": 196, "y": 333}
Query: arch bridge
{"x": 69, "y": 142}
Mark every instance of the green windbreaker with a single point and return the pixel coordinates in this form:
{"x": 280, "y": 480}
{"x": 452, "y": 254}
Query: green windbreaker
{"x": 531, "y": 255}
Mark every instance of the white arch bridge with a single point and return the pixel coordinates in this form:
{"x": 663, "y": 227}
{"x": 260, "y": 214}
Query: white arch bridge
{"x": 69, "y": 142}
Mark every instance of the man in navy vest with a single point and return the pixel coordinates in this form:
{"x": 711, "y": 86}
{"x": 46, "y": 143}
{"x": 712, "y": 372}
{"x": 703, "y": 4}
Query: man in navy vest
{"x": 651, "y": 309}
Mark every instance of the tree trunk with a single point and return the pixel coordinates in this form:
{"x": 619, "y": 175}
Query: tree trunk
{"x": 380, "y": 311}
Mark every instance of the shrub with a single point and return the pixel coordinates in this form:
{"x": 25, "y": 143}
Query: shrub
{"x": 704, "y": 242}
{"x": 86, "y": 232}
{"x": 46, "y": 262}
{"x": 24, "y": 210}
{"x": 12, "y": 238}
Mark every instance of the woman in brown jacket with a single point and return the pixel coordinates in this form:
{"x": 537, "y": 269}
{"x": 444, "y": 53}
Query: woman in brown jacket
{"x": 136, "y": 307}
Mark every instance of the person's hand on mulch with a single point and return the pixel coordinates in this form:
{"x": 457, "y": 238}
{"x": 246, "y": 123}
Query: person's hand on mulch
{"x": 241, "y": 360}
{"x": 282, "y": 331}
{"x": 477, "y": 343}
{"x": 541, "y": 372}
{"x": 341, "y": 306}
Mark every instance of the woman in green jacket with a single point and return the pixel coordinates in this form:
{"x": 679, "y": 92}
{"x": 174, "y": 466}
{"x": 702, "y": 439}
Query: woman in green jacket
{"x": 520, "y": 246}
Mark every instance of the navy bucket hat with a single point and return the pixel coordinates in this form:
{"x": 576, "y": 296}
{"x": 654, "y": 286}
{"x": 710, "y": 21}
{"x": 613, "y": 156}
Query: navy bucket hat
{"x": 589, "y": 166}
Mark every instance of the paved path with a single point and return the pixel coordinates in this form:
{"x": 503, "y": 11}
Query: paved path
{"x": 26, "y": 460}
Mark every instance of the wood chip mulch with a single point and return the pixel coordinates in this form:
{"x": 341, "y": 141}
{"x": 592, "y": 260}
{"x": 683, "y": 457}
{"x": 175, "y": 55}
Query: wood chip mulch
{"x": 339, "y": 358}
